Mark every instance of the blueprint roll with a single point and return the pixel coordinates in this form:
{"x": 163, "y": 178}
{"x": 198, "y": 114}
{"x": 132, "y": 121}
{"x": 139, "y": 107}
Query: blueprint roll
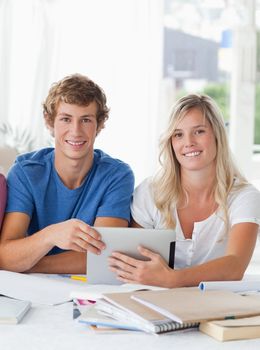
{"x": 234, "y": 286}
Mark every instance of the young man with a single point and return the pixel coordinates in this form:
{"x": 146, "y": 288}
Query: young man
{"x": 56, "y": 195}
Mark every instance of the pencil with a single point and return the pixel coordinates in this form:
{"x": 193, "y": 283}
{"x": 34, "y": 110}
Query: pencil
{"x": 79, "y": 278}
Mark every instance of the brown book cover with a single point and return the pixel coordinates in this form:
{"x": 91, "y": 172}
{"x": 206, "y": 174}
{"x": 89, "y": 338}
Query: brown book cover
{"x": 243, "y": 328}
{"x": 193, "y": 305}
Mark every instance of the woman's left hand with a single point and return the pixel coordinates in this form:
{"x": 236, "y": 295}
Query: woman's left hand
{"x": 155, "y": 271}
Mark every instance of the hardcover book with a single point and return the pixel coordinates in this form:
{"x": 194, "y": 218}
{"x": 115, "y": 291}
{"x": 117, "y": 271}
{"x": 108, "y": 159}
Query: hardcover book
{"x": 243, "y": 328}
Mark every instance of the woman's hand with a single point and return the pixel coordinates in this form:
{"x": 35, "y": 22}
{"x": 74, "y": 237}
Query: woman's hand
{"x": 155, "y": 271}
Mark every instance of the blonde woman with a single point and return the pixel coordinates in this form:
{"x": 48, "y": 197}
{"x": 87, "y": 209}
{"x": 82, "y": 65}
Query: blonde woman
{"x": 199, "y": 192}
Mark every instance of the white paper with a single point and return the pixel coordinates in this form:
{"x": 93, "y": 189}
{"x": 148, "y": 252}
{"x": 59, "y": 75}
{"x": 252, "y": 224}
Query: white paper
{"x": 50, "y": 289}
{"x": 234, "y": 286}
{"x": 37, "y": 288}
{"x": 96, "y": 291}
{"x": 12, "y": 310}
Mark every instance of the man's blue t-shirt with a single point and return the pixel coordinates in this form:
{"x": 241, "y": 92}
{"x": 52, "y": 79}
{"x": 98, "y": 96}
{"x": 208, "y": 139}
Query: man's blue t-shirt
{"x": 35, "y": 188}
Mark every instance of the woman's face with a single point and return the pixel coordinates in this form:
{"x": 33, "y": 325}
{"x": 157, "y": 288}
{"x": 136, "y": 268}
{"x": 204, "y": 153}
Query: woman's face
{"x": 193, "y": 142}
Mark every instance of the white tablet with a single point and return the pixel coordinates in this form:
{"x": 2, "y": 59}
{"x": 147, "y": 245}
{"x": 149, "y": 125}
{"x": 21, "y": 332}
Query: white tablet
{"x": 126, "y": 240}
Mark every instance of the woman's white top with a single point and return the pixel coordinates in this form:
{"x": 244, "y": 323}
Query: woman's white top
{"x": 209, "y": 239}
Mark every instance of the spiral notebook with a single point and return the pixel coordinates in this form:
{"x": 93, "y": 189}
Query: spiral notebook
{"x": 120, "y": 306}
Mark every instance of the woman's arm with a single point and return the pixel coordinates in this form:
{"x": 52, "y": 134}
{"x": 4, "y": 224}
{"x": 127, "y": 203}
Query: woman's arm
{"x": 240, "y": 247}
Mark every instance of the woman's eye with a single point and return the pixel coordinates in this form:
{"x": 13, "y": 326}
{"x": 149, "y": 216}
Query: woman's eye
{"x": 177, "y": 135}
{"x": 199, "y": 131}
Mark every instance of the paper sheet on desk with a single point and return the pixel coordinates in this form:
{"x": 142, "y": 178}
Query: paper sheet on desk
{"x": 234, "y": 286}
{"x": 37, "y": 289}
{"x": 96, "y": 291}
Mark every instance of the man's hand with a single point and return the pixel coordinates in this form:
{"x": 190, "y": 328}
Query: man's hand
{"x": 19, "y": 252}
{"x": 75, "y": 235}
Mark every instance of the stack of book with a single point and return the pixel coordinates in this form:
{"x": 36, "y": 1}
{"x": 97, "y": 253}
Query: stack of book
{"x": 120, "y": 311}
{"x": 163, "y": 311}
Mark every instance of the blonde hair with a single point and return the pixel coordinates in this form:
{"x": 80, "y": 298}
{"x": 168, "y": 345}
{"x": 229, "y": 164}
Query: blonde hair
{"x": 166, "y": 185}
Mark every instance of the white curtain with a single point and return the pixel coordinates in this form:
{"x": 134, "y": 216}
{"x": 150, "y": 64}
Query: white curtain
{"x": 117, "y": 43}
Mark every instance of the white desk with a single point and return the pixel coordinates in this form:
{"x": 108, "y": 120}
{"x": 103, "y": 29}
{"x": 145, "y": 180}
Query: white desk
{"x": 52, "y": 327}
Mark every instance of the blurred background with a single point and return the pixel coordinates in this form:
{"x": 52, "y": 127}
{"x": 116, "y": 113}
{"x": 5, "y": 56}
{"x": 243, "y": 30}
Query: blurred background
{"x": 145, "y": 54}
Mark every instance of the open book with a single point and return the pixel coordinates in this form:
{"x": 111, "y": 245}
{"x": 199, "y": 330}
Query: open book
{"x": 37, "y": 288}
{"x": 50, "y": 289}
{"x": 192, "y": 305}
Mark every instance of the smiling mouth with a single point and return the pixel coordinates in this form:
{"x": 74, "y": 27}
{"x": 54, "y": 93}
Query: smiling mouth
{"x": 192, "y": 154}
{"x": 75, "y": 143}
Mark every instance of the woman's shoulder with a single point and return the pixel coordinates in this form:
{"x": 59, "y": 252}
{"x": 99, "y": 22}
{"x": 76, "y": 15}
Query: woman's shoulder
{"x": 145, "y": 186}
{"x": 244, "y": 192}
{"x": 143, "y": 194}
{"x": 143, "y": 208}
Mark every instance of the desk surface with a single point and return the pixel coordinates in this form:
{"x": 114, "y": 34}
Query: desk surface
{"x": 52, "y": 327}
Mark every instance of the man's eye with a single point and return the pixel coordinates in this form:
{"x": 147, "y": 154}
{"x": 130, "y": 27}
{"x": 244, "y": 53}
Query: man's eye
{"x": 66, "y": 120}
{"x": 86, "y": 120}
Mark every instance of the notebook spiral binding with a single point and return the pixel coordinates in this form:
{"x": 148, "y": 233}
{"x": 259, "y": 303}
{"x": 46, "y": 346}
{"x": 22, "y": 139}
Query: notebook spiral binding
{"x": 174, "y": 326}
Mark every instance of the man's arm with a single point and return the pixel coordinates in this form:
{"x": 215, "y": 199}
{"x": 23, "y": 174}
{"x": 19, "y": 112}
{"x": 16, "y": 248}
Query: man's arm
{"x": 73, "y": 262}
{"x": 69, "y": 262}
{"x": 20, "y": 253}
{"x": 17, "y": 253}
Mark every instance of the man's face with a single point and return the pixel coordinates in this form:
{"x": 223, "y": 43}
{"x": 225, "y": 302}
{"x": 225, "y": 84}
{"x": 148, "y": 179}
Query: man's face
{"x": 75, "y": 130}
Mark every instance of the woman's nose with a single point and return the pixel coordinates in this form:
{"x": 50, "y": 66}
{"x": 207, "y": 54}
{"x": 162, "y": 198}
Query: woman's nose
{"x": 189, "y": 140}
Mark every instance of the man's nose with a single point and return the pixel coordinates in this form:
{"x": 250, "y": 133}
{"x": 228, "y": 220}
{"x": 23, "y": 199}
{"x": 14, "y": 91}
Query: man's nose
{"x": 75, "y": 126}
